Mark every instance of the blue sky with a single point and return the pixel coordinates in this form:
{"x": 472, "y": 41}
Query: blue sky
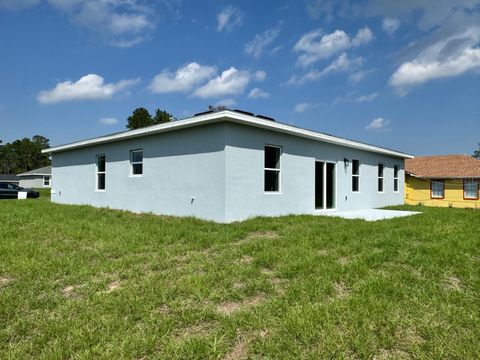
{"x": 405, "y": 75}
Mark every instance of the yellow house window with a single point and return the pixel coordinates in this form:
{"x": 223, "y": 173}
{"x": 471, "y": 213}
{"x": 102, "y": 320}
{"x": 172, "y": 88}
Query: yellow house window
{"x": 470, "y": 189}
{"x": 437, "y": 189}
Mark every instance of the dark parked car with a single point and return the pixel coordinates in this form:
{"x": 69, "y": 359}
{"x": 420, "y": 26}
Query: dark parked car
{"x": 10, "y": 191}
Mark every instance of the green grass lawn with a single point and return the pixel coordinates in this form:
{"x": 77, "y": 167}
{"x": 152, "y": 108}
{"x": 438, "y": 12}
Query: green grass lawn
{"x": 79, "y": 282}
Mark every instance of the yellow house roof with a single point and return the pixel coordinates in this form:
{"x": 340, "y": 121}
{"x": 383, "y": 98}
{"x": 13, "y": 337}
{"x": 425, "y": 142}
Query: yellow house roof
{"x": 443, "y": 166}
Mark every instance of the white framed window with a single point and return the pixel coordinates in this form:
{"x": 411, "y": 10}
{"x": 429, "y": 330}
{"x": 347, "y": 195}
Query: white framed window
{"x": 437, "y": 189}
{"x": 136, "y": 162}
{"x": 272, "y": 169}
{"x": 355, "y": 175}
{"x": 101, "y": 171}
{"x": 381, "y": 170}
{"x": 46, "y": 181}
{"x": 395, "y": 178}
{"x": 470, "y": 189}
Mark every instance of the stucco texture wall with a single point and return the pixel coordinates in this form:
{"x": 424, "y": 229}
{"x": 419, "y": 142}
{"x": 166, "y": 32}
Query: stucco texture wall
{"x": 183, "y": 174}
{"x": 32, "y": 181}
{"x": 244, "y": 192}
{"x": 417, "y": 192}
{"x": 216, "y": 172}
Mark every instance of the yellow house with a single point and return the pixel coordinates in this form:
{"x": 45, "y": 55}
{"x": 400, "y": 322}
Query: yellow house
{"x": 445, "y": 180}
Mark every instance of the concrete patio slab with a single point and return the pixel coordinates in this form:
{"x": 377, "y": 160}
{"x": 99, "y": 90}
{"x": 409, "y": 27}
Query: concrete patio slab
{"x": 370, "y": 214}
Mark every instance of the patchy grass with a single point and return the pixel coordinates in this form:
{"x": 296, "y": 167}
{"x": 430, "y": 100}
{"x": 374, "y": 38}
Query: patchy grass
{"x": 78, "y": 282}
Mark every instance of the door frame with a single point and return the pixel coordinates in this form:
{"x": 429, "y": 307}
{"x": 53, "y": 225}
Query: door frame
{"x": 335, "y": 172}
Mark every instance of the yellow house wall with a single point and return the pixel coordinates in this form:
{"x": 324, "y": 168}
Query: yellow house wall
{"x": 417, "y": 191}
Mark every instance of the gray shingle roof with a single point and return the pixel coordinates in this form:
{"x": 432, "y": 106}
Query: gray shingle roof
{"x": 9, "y": 177}
{"x": 47, "y": 170}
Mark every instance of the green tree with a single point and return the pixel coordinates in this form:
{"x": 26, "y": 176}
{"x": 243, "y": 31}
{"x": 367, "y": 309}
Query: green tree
{"x": 23, "y": 155}
{"x": 161, "y": 117}
{"x": 476, "y": 153}
{"x": 140, "y": 118}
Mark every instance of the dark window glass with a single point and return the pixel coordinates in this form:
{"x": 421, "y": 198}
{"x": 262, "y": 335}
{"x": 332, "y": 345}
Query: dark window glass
{"x": 395, "y": 184}
{"x": 272, "y": 180}
{"x": 380, "y": 170}
{"x": 101, "y": 181}
{"x": 137, "y": 169}
{"x": 355, "y": 183}
{"x": 101, "y": 163}
{"x": 3, "y": 186}
{"x": 137, "y": 156}
{"x": 355, "y": 167}
{"x": 395, "y": 171}
{"x": 380, "y": 184}
{"x": 272, "y": 157}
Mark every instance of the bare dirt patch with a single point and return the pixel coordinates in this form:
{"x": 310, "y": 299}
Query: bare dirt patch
{"x": 341, "y": 290}
{"x": 245, "y": 259}
{"x": 68, "y": 291}
{"x": 230, "y": 307}
{"x": 343, "y": 260}
{"x": 322, "y": 252}
{"x": 5, "y": 280}
{"x": 239, "y": 350}
{"x": 239, "y": 285}
{"x": 113, "y": 286}
{"x": 452, "y": 283}
{"x": 396, "y": 354}
{"x": 268, "y": 272}
{"x": 272, "y": 235}
{"x": 408, "y": 336}
{"x": 197, "y": 330}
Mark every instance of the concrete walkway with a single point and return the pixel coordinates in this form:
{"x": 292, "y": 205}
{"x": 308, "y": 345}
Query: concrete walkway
{"x": 370, "y": 214}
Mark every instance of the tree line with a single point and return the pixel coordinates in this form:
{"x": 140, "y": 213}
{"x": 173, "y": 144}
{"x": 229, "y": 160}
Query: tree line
{"x": 23, "y": 155}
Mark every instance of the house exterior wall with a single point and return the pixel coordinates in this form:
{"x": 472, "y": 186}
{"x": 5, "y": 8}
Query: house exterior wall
{"x": 183, "y": 174}
{"x": 32, "y": 181}
{"x": 216, "y": 172}
{"x": 244, "y": 191}
{"x": 417, "y": 192}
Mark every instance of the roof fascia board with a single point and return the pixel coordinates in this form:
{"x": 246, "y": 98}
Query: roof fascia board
{"x": 232, "y": 116}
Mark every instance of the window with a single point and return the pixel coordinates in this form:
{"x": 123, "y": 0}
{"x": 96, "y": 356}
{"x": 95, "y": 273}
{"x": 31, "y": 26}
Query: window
{"x": 46, "y": 181}
{"x": 395, "y": 178}
{"x": 355, "y": 175}
{"x": 136, "y": 161}
{"x": 470, "y": 189}
{"x": 437, "y": 189}
{"x": 272, "y": 168}
{"x": 380, "y": 177}
{"x": 100, "y": 172}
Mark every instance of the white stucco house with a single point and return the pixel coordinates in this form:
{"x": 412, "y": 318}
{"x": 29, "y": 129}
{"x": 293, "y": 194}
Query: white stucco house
{"x": 37, "y": 178}
{"x": 226, "y": 166}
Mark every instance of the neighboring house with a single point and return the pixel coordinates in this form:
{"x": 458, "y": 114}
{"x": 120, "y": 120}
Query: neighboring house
{"x": 446, "y": 180}
{"x": 226, "y": 166}
{"x": 38, "y": 178}
{"x": 9, "y": 178}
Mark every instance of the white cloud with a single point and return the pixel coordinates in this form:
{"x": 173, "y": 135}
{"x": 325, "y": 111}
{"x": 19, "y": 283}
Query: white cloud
{"x": 364, "y": 36}
{"x": 366, "y": 98}
{"x": 89, "y": 87}
{"x": 302, "y": 107}
{"x": 261, "y": 41}
{"x": 229, "y": 18}
{"x": 343, "y": 63}
{"x": 230, "y": 82}
{"x": 430, "y": 13}
{"x": 390, "y": 25}
{"x": 108, "y": 121}
{"x": 257, "y": 93}
{"x": 359, "y": 75}
{"x": 378, "y": 124}
{"x": 182, "y": 80}
{"x": 260, "y": 75}
{"x": 448, "y": 57}
{"x": 315, "y": 46}
{"x": 226, "y": 102}
{"x": 121, "y": 23}
{"x": 17, "y": 4}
